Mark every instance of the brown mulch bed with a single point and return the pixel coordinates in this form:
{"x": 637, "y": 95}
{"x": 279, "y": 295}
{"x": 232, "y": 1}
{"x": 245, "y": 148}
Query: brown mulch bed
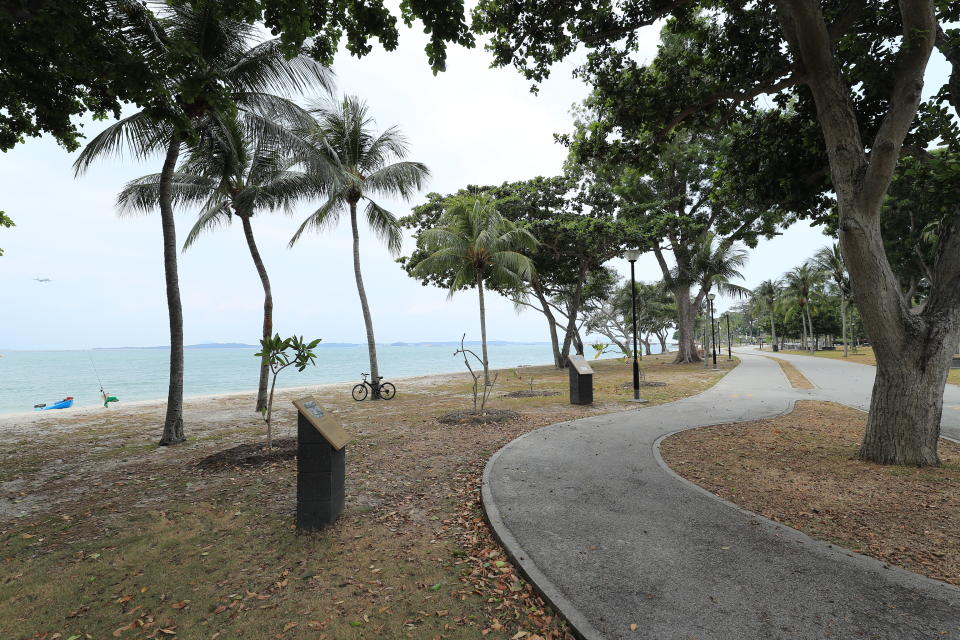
{"x": 488, "y": 416}
{"x": 797, "y": 379}
{"x": 529, "y": 394}
{"x": 251, "y": 455}
{"x": 800, "y": 469}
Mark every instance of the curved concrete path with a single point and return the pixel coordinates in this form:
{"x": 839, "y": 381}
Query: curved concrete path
{"x": 613, "y": 537}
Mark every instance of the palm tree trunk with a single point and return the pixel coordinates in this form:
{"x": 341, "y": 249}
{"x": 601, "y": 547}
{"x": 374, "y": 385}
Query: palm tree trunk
{"x": 483, "y": 331}
{"x": 813, "y": 345}
{"x": 173, "y": 422}
{"x": 773, "y": 332}
{"x": 843, "y": 318}
{"x": 367, "y": 319}
{"x": 267, "y": 311}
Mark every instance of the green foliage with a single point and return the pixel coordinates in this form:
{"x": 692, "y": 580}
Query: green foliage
{"x": 714, "y": 59}
{"x": 6, "y": 222}
{"x": 352, "y": 163}
{"x": 279, "y": 354}
{"x": 62, "y": 59}
{"x": 474, "y": 244}
{"x": 918, "y": 216}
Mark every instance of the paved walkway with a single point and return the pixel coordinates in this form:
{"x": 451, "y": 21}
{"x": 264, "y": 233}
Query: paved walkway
{"x": 614, "y": 538}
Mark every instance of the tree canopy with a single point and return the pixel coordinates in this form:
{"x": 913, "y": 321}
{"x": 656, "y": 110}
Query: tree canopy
{"x": 60, "y": 60}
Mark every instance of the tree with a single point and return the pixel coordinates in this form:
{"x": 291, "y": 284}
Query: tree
{"x": 799, "y": 286}
{"x": 6, "y": 222}
{"x": 855, "y": 72}
{"x": 274, "y": 351}
{"x": 478, "y": 245}
{"x": 575, "y": 223}
{"x": 767, "y": 293}
{"x": 232, "y": 175}
{"x": 64, "y": 59}
{"x": 830, "y": 261}
{"x": 612, "y": 318}
{"x": 214, "y": 74}
{"x": 352, "y": 164}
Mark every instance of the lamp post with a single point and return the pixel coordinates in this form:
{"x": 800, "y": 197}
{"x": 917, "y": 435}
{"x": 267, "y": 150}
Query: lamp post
{"x": 706, "y": 336}
{"x": 729, "y": 347}
{"x": 713, "y": 331}
{"x": 632, "y": 255}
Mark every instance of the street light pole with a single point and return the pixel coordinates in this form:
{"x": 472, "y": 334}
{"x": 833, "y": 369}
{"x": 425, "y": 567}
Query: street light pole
{"x": 729, "y": 347}
{"x": 713, "y": 332}
{"x": 632, "y": 255}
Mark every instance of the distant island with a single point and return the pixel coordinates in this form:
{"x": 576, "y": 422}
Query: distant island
{"x": 241, "y": 345}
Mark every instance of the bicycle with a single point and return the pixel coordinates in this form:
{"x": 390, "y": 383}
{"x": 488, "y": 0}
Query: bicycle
{"x": 386, "y": 389}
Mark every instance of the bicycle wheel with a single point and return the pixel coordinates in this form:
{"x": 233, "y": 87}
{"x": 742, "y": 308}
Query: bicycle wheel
{"x": 359, "y": 392}
{"x": 387, "y": 391}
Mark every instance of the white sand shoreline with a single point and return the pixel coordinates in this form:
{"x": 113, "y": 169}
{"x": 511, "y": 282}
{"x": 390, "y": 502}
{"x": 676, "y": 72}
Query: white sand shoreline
{"x": 15, "y": 425}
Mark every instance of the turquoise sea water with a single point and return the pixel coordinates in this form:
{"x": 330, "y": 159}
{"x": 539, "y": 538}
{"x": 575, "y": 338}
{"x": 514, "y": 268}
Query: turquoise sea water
{"x": 32, "y": 377}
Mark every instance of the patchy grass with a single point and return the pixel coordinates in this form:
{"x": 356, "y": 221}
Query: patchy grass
{"x": 125, "y": 539}
{"x": 799, "y": 469}
{"x": 797, "y": 379}
{"x": 864, "y": 355}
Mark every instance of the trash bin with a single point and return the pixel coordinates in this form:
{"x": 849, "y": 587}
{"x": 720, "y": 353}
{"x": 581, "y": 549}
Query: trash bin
{"x": 581, "y": 380}
{"x": 321, "y": 465}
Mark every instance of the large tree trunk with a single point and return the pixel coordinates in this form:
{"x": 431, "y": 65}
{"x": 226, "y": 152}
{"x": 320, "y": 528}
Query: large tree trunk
{"x": 262, "y": 390}
{"x": 912, "y": 346}
{"x": 558, "y": 360}
{"x": 573, "y": 310}
{"x": 367, "y": 319}
{"x": 686, "y": 327}
{"x": 907, "y": 402}
{"x": 483, "y": 331}
{"x": 173, "y": 422}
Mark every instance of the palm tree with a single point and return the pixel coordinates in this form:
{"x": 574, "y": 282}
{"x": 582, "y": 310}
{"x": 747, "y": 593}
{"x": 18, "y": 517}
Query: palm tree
{"x": 800, "y": 283}
{"x": 233, "y": 175}
{"x": 352, "y": 164}
{"x": 829, "y": 260}
{"x": 212, "y": 71}
{"x": 767, "y": 294}
{"x": 478, "y": 245}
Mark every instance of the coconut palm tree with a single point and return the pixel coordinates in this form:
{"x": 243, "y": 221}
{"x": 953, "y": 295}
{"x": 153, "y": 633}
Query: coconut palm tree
{"x": 829, "y": 260}
{"x": 212, "y": 71}
{"x": 233, "y": 175}
{"x": 767, "y": 293}
{"x": 799, "y": 284}
{"x": 479, "y": 246}
{"x": 354, "y": 164}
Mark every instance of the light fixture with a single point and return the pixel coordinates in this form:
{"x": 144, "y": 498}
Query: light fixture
{"x": 632, "y": 255}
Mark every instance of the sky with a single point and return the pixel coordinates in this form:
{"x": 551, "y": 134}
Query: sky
{"x": 469, "y": 125}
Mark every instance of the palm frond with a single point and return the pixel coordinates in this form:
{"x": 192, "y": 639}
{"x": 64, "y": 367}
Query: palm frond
{"x": 402, "y": 179}
{"x": 323, "y": 218}
{"x": 385, "y": 226}
{"x": 216, "y": 214}
{"x": 139, "y": 135}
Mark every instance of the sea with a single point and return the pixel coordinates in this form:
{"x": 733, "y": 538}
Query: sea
{"x": 28, "y": 378}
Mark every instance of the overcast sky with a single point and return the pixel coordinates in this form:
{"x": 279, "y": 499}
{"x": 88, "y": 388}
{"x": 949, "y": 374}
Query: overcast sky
{"x": 470, "y": 125}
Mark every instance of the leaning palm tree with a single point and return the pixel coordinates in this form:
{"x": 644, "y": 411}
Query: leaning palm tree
{"x": 767, "y": 293}
{"x": 479, "y": 246}
{"x": 353, "y": 164}
{"x": 233, "y": 175}
{"x": 212, "y": 71}
{"x": 829, "y": 260}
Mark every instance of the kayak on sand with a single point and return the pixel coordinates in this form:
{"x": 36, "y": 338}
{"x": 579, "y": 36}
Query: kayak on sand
{"x": 66, "y": 403}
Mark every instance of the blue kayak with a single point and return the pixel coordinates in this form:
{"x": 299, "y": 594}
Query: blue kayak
{"x": 66, "y": 403}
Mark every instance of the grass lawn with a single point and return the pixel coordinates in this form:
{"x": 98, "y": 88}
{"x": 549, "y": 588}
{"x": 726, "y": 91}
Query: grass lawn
{"x": 797, "y": 379}
{"x": 103, "y": 534}
{"x": 799, "y": 469}
{"x": 864, "y": 355}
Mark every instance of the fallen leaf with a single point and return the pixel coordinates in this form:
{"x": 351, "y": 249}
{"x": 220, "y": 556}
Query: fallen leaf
{"x": 633, "y": 626}
{"x": 119, "y": 632}
{"x": 290, "y": 625}
{"x": 181, "y": 604}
